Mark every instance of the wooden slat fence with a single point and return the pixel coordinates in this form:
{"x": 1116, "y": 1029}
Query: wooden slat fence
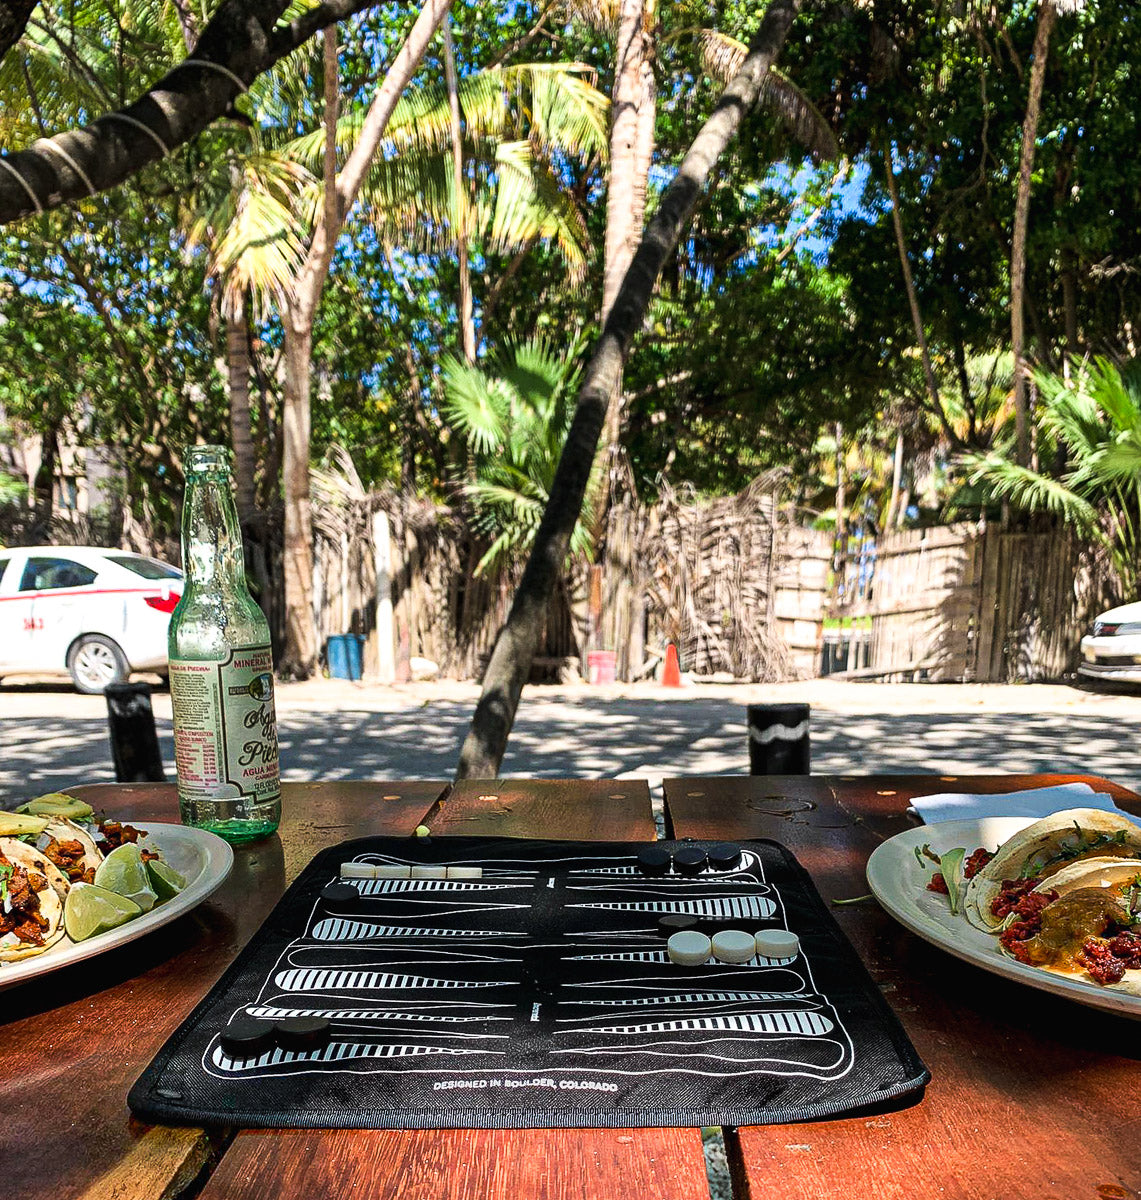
{"x": 975, "y": 603}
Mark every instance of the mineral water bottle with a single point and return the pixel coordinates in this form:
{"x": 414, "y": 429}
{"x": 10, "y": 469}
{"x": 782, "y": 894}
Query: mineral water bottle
{"x": 221, "y": 668}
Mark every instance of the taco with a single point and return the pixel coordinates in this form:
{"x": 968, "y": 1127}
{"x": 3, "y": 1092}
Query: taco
{"x": 1084, "y": 920}
{"x": 71, "y": 848}
{"x": 32, "y": 892}
{"x": 1038, "y": 852}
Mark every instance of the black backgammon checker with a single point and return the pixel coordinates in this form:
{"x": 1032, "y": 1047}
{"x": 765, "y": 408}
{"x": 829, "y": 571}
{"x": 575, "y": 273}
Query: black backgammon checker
{"x": 533, "y": 988}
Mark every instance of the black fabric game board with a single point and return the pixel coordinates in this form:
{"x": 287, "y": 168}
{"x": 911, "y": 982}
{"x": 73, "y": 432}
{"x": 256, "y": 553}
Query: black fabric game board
{"x": 537, "y": 995}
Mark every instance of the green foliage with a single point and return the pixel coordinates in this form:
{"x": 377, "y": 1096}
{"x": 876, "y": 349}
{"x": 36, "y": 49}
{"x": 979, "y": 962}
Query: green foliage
{"x": 514, "y": 413}
{"x": 1093, "y": 425}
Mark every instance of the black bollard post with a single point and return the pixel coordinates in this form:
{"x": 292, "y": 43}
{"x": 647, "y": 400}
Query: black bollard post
{"x": 134, "y": 740}
{"x": 778, "y": 739}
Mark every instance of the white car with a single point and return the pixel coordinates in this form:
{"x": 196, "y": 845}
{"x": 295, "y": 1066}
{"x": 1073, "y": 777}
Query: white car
{"x": 1112, "y": 649}
{"x": 93, "y": 614}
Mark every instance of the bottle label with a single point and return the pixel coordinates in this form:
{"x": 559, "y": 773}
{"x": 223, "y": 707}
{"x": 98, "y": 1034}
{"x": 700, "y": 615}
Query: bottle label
{"x": 225, "y": 728}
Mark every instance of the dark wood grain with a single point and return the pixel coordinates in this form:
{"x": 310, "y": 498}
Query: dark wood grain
{"x": 524, "y": 1164}
{"x": 74, "y": 1041}
{"x": 603, "y": 1164}
{"x": 598, "y": 810}
{"x": 1032, "y": 1095}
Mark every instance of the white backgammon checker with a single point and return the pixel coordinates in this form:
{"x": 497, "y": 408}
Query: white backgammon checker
{"x": 777, "y": 943}
{"x": 689, "y": 948}
{"x": 734, "y": 946}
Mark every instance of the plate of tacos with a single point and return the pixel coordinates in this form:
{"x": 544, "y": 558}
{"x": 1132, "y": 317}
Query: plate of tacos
{"x": 1053, "y": 903}
{"x": 74, "y": 883}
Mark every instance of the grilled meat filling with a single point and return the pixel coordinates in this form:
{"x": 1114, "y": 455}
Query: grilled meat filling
{"x": 20, "y": 912}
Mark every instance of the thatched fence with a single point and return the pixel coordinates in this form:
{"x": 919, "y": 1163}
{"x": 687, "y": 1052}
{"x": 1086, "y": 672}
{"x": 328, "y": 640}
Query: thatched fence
{"x": 708, "y": 576}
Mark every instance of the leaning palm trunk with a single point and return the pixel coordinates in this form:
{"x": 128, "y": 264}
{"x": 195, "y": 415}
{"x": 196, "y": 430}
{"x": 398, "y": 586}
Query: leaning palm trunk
{"x": 633, "y": 113}
{"x": 459, "y": 215}
{"x": 515, "y": 647}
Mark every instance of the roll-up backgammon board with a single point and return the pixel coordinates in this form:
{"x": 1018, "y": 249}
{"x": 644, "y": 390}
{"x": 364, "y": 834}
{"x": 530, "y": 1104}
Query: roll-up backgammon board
{"x": 478, "y": 983}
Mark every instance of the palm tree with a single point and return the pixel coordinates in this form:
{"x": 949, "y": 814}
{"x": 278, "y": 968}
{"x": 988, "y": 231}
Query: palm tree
{"x": 244, "y": 214}
{"x": 514, "y": 412}
{"x": 520, "y": 125}
{"x": 1094, "y": 420}
{"x": 518, "y": 121}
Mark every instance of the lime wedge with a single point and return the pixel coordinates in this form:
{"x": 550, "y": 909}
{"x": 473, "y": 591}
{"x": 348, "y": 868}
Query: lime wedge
{"x": 165, "y": 880}
{"x": 90, "y": 910}
{"x": 124, "y": 872}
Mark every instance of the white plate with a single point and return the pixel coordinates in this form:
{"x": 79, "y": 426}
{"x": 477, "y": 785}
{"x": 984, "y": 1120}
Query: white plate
{"x": 899, "y": 883}
{"x": 204, "y": 860}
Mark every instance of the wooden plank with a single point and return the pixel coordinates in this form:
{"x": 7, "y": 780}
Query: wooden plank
{"x": 1031, "y": 1095}
{"x": 600, "y": 1164}
{"x": 465, "y": 1164}
{"x": 74, "y": 1041}
{"x": 593, "y": 809}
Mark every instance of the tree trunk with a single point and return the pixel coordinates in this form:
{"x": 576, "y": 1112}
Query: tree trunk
{"x": 626, "y": 195}
{"x": 43, "y": 486}
{"x": 908, "y": 280}
{"x": 14, "y": 17}
{"x": 299, "y": 654}
{"x": 459, "y": 212}
{"x": 514, "y": 649}
{"x": 840, "y": 548}
{"x": 633, "y": 111}
{"x": 241, "y": 437}
{"x": 1047, "y": 15}
{"x": 243, "y": 39}
{"x": 1070, "y": 309}
{"x": 894, "y": 515}
{"x": 408, "y": 442}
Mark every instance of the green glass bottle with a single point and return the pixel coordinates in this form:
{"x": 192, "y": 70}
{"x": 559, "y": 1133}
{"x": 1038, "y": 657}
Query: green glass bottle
{"x": 221, "y": 668}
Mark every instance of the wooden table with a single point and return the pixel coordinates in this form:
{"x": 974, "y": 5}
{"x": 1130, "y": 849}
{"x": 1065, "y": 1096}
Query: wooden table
{"x": 1031, "y": 1095}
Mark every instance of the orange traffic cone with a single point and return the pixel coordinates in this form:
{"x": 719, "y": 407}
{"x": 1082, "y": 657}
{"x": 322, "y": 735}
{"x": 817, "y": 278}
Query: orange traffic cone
{"x": 671, "y": 671}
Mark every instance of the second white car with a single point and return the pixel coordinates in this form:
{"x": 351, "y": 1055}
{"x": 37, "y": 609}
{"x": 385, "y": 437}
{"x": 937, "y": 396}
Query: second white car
{"x": 1112, "y": 648}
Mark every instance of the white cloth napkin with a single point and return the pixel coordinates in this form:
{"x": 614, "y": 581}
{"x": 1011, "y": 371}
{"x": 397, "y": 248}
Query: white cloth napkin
{"x": 1034, "y": 802}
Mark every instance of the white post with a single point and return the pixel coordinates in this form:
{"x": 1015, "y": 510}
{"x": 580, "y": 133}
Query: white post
{"x": 385, "y": 638}
{"x": 346, "y": 607}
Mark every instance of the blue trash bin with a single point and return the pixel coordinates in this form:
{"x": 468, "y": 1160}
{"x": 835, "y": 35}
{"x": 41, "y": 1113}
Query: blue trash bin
{"x": 343, "y": 653}
{"x": 337, "y": 654}
{"x": 355, "y": 645}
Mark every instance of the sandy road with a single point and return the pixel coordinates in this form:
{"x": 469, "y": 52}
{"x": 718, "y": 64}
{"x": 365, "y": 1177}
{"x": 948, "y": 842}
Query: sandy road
{"x": 52, "y": 737}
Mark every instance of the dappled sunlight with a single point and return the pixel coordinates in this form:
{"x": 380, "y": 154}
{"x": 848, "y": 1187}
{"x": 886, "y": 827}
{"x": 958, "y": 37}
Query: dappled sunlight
{"x": 607, "y": 737}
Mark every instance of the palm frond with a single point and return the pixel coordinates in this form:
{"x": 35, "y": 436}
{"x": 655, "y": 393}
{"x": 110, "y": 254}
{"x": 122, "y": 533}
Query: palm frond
{"x": 561, "y": 109}
{"x": 723, "y": 56}
{"x": 260, "y": 246}
{"x": 530, "y": 203}
{"x": 1031, "y": 492}
{"x": 599, "y": 15}
{"x": 476, "y": 404}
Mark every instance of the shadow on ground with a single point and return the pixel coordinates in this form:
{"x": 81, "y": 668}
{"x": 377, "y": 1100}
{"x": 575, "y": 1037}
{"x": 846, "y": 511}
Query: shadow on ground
{"x": 607, "y": 738}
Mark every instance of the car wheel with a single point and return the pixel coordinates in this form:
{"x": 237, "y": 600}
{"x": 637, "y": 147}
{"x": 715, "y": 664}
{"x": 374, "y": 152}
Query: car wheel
{"x": 94, "y": 662}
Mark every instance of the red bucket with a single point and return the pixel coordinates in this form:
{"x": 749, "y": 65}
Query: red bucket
{"x": 600, "y": 666}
